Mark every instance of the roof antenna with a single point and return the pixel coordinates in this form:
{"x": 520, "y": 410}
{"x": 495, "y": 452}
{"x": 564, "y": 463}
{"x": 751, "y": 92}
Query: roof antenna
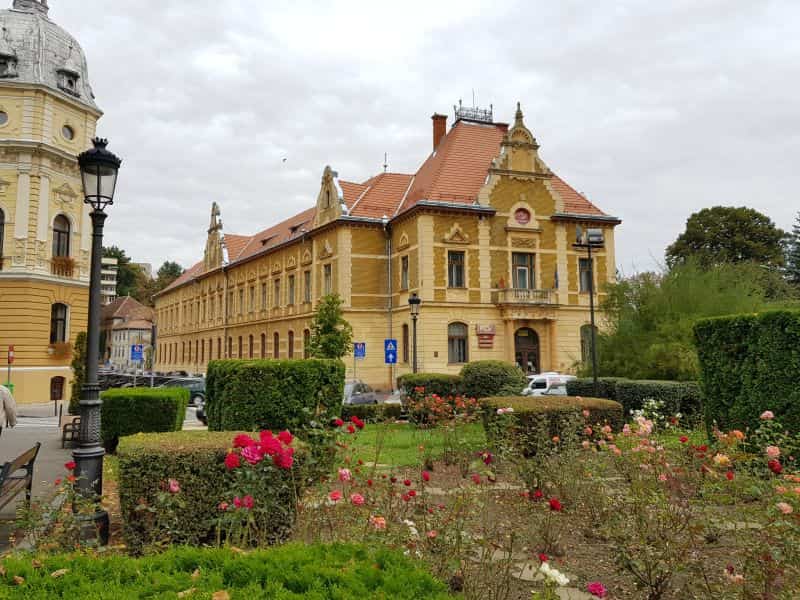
{"x": 473, "y": 96}
{"x": 385, "y": 161}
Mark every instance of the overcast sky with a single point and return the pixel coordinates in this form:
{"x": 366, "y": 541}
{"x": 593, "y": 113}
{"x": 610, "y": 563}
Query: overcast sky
{"x": 652, "y": 109}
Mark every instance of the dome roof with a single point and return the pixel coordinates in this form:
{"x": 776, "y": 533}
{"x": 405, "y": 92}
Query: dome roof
{"x": 35, "y": 50}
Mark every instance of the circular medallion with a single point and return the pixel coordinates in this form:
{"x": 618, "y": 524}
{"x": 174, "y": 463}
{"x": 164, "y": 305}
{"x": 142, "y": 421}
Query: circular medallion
{"x": 522, "y": 216}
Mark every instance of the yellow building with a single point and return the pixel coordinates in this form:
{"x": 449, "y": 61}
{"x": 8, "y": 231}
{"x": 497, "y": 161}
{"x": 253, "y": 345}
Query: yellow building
{"x": 47, "y": 117}
{"x": 483, "y": 232}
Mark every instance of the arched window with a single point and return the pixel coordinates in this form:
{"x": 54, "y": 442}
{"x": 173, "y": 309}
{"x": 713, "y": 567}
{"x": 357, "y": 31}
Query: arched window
{"x": 276, "y": 345}
{"x": 250, "y": 346}
{"x": 202, "y": 351}
{"x": 183, "y": 352}
{"x": 263, "y": 345}
{"x": 306, "y": 343}
{"x": 240, "y": 355}
{"x": 61, "y": 236}
{"x": 291, "y": 344}
{"x": 219, "y": 348}
{"x": 2, "y": 229}
{"x": 405, "y": 342}
{"x": 457, "y": 343}
{"x": 58, "y": 323}
{"x": 230, "y": 347}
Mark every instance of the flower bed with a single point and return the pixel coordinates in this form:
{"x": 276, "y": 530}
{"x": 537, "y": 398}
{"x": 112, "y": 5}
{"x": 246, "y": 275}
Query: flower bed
{"x": 287, "y": 572}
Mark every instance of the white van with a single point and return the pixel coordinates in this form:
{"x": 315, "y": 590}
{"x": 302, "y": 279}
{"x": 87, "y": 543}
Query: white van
{"x": 547, "y": 384}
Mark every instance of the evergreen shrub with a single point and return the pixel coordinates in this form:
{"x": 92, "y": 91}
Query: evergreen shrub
{"x": 485, "y": 378}
{"x": 434, "y": 383}
{"x": 291, "y": 571}
{"x": 372, "y": 413}
{"x": 748, "y": 364}
{"x": 584, "y": 386}
{"x": 126, "y": 411}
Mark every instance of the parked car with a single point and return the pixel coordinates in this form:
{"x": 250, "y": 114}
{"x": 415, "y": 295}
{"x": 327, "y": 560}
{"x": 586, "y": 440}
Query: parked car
{"x": 539, "y": 385}
{"x": 201, "y": 412}
{"x": 195, "y": 385}
{"x": 358, "y": 392}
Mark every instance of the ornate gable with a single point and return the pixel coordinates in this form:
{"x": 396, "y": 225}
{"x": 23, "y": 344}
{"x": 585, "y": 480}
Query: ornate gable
{"x": 330, "y": 201}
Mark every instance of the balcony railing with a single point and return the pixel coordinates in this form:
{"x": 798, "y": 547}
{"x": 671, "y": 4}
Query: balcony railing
{"x": 524, "y": 296}
{"x": 62, "y": 266}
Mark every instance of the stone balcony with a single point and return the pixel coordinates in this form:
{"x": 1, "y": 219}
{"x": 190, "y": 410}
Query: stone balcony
{"x": 525, "y": 297}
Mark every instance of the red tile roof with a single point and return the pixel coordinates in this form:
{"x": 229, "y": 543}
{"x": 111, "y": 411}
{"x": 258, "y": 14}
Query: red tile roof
{"x": 453, "y": 173}
{"x": 189, "y": 274}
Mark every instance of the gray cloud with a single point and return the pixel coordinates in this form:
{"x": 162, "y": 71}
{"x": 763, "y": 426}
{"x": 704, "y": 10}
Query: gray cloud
{"x": 654, "y": 110}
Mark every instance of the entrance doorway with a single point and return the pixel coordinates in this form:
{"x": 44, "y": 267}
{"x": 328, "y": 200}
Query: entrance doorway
{"x": 526, "y": 350}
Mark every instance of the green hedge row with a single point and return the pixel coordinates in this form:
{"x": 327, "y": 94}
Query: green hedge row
{"x": 372, "y": 413}
{"x": 196, "y": 460}
{"x": 678, "y": 396}
{"x": 434, "y": 383}
{"x": 133, "y": 410}
{"x": 252, "y": 395}
{"x": 749, "y": 364}
{"x": 535, "y": 420}
{"x": 484, "y": 378}
{"x": 288, "y": 572}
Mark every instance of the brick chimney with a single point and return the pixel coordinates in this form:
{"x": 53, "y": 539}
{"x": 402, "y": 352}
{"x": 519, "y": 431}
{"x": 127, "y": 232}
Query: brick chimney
{"x": 439, "y": 128}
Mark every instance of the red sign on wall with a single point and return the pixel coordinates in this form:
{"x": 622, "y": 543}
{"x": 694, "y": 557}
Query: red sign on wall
{"x": 485, "y": 335}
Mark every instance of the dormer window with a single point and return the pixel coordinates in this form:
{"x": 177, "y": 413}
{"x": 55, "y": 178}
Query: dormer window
{"x": 68, "y": 81}
{"x": 8, "y": 66}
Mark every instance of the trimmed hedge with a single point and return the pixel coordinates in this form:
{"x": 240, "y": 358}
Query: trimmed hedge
{"x": 196, "y": 460}
{"x": 434, "y": 383}
{"x": 484, "y": 378}
{"x": 126, "y": 411}
{"x": 749, "y": 364}
{"x": 252, "y": 395}
{"x": 584, "y": 386}
{"x": 291, "y": 571}
{"x": 372, "y": 413}
{"x": 537, "y": 419}
{"x": 678, "y": 396}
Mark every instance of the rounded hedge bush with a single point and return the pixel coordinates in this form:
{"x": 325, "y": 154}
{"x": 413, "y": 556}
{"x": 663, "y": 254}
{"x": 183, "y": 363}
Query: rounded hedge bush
{"x": 289, "y": 572}
{"x": 440, "y": 384}
{"x": 484, "y": 378}
{"x": 126, "y": 411}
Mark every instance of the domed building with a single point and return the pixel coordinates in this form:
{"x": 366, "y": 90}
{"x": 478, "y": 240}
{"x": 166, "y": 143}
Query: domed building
{"x": 48, "y": 116}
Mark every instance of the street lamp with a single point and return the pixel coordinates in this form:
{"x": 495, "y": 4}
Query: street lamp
{"x": 414, "y": 301}
{"x": 593, "y": 239}
{"x": 99, "y": 169}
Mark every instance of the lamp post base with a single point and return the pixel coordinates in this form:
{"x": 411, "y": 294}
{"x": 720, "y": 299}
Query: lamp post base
{"x": 94, "y": 527}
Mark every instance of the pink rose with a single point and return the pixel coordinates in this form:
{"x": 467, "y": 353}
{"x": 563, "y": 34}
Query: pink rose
{"x": 335, "y": 496}
{"x": 174, "y": 486}
{"x": 357, "y": 499}
{"x": 597, "y": 589}
{"x": 585, "y": 413}
{"x": 345, "y": 475}
{"x": 784, "y": 507}
{"x": 252, "y": 454}
{"x": 767, "y": 415}
{"x": 773, "y": 451}
{"x": 223, "y": 506}
{"x": 585, "y": 444}
{"x": 248, "y": 501}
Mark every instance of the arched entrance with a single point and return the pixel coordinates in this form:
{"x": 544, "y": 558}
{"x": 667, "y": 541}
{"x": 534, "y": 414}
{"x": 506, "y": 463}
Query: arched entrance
{"x": 526, "y": 350}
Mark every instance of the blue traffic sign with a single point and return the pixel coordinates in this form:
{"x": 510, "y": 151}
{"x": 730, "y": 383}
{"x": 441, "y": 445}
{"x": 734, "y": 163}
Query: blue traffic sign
{"x": 137, "y": 352}
{"x": 360, "y": 350}
{"x": 390, "y": 351}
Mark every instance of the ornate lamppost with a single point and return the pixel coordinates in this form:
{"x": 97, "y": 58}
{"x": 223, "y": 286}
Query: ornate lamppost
{"x": 414, "y": 301}
{"x": 99, "y": 169}
{"x": 593, "y": 239}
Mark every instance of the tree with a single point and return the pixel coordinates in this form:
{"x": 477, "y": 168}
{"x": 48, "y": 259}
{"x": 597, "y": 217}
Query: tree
{"x": 331, "y": 335}
{"x": 793, "y": 254}
{"x": 78, "y": 372}
{"x": 129, "y": 276}
{"x": 169, "y": 272}
{"x": 724, "y": 234}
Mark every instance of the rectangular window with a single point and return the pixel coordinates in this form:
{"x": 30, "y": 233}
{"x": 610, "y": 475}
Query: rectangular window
{"x": 327, "y": 277}
{"x": 290, "y": 291}
{"x": 276, "y": 294}
{"x": 58, "y": 323}
{"x": 263, "y": 296}
{"x": 457, "y": 343}
{"x": 307, "y": 286}
{"x": 404, "y": 273}
{"x": 252, "y": 298}
{"x": 241, "y": 301}
{"x": 455, "y": 269}
{"x": 230, "y": 303}
{"x": 523, "y": 265}
{"x": 584, "y": 273}
{"x": 211, "y": 314}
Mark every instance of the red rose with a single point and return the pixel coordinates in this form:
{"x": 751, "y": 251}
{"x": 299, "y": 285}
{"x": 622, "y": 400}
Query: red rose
{"x": 351, "y": 429}
{"x": 232, "y": 460}
{"x": 543, "y": 557}
{"x": 775, "y": 466}
{"x": 538, "y": 495}
{"x": 476, "y": 479}
{"x": 426, "y": 476}
{"x": 369, "y": 482}
{"x": 702, "y": 448}
{"x": 555, "y": 504}
{"x": 684, "y": 439}
{"x": 285, "y": 437}
{"x": 729, "y": 475}
{"x": 70, "y": 465}
{"x": 237, "y": 502}
{"x": 71, "y": 478}
{"x": 357, "y": 422}
{"x": 407, "y": 482}
{"x": 57, "y": 481}
{"x": 338, "y": 422}
{"x": 406, "y": 497}
{"x": 243, "y": 441}
{"x": 393, "y": 479}
{"x": 248, "y": 501}
{"x": 283, "y": 459}
{"x": 412, "y": 493}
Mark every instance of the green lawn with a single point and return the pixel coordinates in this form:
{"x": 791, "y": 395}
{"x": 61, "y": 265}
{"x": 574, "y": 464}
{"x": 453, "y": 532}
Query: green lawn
{"x": 404, "y": 445}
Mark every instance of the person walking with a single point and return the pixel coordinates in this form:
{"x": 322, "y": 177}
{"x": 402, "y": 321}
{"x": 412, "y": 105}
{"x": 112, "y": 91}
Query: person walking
{"x": 8, "y": 408}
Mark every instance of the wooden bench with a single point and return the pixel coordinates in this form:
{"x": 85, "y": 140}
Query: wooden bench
{"x": 70, "y": 426}
{"x": 12, "y": 483}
